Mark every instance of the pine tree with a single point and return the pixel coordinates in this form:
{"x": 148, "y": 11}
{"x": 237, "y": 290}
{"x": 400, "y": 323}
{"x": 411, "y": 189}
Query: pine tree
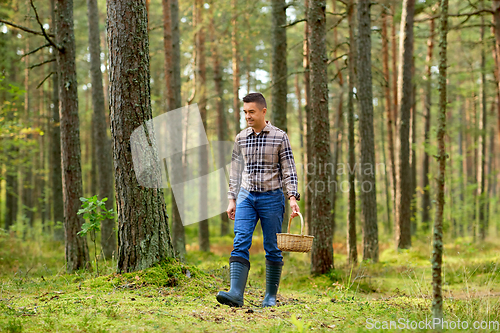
{"x": 143, "y": 232}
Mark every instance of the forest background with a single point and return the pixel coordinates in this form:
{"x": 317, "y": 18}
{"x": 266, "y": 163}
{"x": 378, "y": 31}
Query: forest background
{"x": 230, "y": 48}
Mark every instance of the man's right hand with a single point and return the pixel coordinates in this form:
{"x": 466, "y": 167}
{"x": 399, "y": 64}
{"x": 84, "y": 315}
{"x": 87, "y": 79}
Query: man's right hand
{"x": 231, "y": 209}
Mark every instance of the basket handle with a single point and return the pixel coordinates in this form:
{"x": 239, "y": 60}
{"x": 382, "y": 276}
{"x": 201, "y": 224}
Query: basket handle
{"x": 301, "y": 223}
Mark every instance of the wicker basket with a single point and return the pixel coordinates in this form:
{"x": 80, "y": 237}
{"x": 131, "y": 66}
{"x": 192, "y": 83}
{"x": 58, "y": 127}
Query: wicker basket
{"x": 295, "y": 243}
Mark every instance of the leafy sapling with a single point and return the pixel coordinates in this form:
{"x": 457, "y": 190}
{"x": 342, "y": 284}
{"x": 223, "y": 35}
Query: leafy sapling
{"x": 94, "y": 211}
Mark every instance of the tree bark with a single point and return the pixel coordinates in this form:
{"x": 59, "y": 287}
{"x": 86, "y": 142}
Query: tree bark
{"x": 437, "y": 252}
{"x": 403, "y": 226}
{"x": 322, "y": 251}
{"x": 102, "y": 142}
{"x": 143, "y": 232}
{"x": 426, "y": 198}
{"x": 352, "y": 251}
{"x": 365, "y": 97}
{"x": 279, "y": 66}
{"x": 77, "y": 255}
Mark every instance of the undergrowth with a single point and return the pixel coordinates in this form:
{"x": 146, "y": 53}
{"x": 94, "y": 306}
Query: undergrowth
{"x": 172, "y": 296}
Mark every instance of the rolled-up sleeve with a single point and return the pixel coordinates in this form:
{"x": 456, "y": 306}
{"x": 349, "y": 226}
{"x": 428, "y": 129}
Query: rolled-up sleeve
{"x": 236, "y": 171}
{"x": 288, "y": 170}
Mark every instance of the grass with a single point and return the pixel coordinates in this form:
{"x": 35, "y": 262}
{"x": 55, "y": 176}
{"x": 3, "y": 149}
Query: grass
{"x": 38, "y": 296}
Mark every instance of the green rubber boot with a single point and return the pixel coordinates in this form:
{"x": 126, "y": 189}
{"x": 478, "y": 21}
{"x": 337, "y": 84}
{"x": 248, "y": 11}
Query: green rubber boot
{"x": 273, "y": 276}
{"x": 239, "y": 268}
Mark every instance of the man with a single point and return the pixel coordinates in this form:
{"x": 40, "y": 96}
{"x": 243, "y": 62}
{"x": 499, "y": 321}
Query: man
{"x": 262, "y": 160}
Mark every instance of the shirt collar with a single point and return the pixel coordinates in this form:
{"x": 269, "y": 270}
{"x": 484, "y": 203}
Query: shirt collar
{"x": 266, "y": 128}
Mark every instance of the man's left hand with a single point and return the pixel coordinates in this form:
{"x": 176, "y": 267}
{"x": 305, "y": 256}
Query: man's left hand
{"x": 294, "y": 206}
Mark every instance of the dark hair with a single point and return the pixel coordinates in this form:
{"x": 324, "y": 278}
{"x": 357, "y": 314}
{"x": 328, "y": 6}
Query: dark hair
{"x": 257, "y": 98}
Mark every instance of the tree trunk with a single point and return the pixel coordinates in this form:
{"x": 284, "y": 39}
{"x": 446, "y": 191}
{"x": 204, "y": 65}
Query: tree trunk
{"x": 474, "y": 164}
{"x": 339, "y": 127}
{"x": 482, "y": 185}
{"x": 426, "y": 198}
{"x": 496, "y": 24}
{"x": 386, "y": 180}
{"x": 389, "y": 105}
{"x": 55, "y": 150}
{"x": 27, "y": 167}
{"x": 40, "y": 157}
{"x": 92, "y": 143}
{"x": 403, "y": 231}
{"x": 172, "y": 82}
{"x": 102, "y": 142}
{"x": 204, "y": 234}
{"x": 308, "y": 125}
{"x": 11, "y": 193}
{"x": 221, "y": 119}
{"x": 352, "y": 251}
{"x": 437, "y": 253}
{"x": 413, "y": 167}
{"x": 11, "y": 170}
{"x": 279, "y": 88}
{"x": 463, "y": 176}
{"x": 395, "y": 96}
{"x": 470, "y": 136}
{"x": 143, "y": 232}
{"x": 77, "y": 254}
{"x": 279, "y": 66}
{"x": 365, "y": 97}
{"x": 492, "y": 173}
{"x": 322, "y": 251}
{"x": 300, "y": 119}
{"x": 236, "y": 68}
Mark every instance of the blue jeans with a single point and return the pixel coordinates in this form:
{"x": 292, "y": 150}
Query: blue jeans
{"x": 269, "y": 207}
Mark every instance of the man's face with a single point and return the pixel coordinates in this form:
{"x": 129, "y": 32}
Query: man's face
{"x": 254, "y": 114}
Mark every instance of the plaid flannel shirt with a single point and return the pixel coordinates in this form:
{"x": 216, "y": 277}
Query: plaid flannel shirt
{"x": 262, "y": 162}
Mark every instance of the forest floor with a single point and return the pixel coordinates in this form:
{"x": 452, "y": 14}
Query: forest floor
{"x": 38, "y": 296}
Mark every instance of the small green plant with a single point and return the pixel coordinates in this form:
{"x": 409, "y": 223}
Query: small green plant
{"x": 300, "y": 326}
{"x": 14, "y": 326}
{"x": 94, "y": 210}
